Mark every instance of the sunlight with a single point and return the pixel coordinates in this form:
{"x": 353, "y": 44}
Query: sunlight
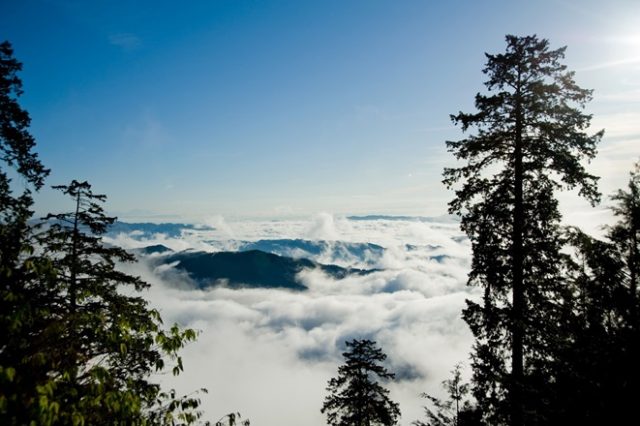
{"x": 630, "y": 42}
{"x": 623, "y": 49}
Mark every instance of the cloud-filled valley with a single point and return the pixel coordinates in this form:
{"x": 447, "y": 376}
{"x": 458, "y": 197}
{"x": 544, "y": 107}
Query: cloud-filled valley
{"x": 269, "y": 353}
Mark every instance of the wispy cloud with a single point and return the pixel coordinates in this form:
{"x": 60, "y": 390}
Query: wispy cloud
{"x": 611, "y": 64}
{"x": 126, "y": 41}
{"x": 629, "y": 96}
{"x": 621, "y": 125}
{"x": 147, "y": 131}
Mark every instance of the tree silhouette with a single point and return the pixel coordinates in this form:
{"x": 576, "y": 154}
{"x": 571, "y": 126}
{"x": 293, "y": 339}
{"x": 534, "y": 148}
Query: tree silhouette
{"x": 626, "y": 234}
{"x": 598, "y": 359}
{"x": 529, "y": 142}
{"x": 456, "y": 410}
{"x": 21, "y": 307}
{"x": 355, "y": 397}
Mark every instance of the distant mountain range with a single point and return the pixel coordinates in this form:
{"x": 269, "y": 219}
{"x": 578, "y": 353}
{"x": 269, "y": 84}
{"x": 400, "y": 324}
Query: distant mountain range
{"x": 251, "y": 268}
{"x": 330, "y": 251}
{"x": 268, "y": 263}
{"x": 333, "y": 252}
{"x": 429, "y": 219}
{"x": 148, "y": 230}
{"x": 155, "y": 249}
{"x": 144, "y": 230}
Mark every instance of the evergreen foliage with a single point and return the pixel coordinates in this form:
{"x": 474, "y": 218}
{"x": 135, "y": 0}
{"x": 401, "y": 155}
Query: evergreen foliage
{"x": 355, "y": 396}
{"x": 625, "y": 235}
{"x": 21, "y": 307}
{"x": 529, "y": 142}
{"x": 597, "y": 366}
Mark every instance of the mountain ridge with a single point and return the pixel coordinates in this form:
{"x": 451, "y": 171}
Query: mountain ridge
{"x": 245, "y": 269}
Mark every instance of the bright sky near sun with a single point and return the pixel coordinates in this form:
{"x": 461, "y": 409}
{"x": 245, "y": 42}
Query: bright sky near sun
{"x": 280, "y": 108}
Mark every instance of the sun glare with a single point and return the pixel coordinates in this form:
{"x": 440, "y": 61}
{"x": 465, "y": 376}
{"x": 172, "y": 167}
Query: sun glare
{"x": 622, "y": 48}
{"x": 631, "y": 41}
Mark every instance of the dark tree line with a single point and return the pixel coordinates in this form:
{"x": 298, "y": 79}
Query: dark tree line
{"x": 598, "y": 367}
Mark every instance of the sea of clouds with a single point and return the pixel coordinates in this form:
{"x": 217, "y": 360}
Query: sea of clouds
{"x": 269, "y": 353}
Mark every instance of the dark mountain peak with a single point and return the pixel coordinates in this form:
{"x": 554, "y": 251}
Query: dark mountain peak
{"x": 251, "y": 268}
{"x": 148, "y": 230}
{"x": 331, "y": 251}
{"x": 155, "y": 249}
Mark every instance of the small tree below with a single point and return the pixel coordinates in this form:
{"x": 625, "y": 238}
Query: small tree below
{"x": 355, "y": 396}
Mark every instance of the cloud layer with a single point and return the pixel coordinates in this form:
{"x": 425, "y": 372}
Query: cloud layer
{"x": 270, "y": 353}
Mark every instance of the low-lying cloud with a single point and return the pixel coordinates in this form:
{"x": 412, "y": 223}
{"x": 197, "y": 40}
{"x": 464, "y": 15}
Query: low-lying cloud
{"x": 269, "y": 353}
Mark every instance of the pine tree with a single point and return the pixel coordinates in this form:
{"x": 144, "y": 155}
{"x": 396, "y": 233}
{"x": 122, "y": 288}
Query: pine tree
{"x": 355, "y": 397}
{"x": 20, "y": 294}
{"x": 626, "y": 234}
{"x": 624, "y": 237}
{"x": 587, "y": 359}
{"x": 530, "y": 140}
{"x": 597, "y": 364}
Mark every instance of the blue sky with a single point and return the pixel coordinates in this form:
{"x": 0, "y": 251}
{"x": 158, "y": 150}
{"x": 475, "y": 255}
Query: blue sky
{"x": 281, "y": 108}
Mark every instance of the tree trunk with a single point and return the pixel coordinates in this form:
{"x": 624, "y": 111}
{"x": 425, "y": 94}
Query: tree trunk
{"x": 517, "y": 332}
{"x": 74, "y": 257}
{"x": 633, "y": 273}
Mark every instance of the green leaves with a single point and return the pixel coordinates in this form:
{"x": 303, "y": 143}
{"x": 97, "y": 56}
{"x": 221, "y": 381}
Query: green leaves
{"x": 16, "y": 144}
{"x": 95, "y": 346}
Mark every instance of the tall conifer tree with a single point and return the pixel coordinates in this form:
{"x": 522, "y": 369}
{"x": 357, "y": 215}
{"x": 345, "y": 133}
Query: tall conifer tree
{"x": 530, "y": 139}
{"x": 21, "y": 312}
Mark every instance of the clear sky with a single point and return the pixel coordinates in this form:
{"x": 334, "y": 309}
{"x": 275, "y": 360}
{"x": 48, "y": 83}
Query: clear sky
{"x": 277, "y": 108}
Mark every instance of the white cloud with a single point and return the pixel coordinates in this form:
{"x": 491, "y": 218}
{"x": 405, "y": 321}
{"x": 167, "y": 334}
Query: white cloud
{"x": 618, "y": 63}
{"x": 270, "y": 353}
{"x": 618, "y": 125}
{"x": 325, "y": 226}
{"x": 219, "y": 223}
